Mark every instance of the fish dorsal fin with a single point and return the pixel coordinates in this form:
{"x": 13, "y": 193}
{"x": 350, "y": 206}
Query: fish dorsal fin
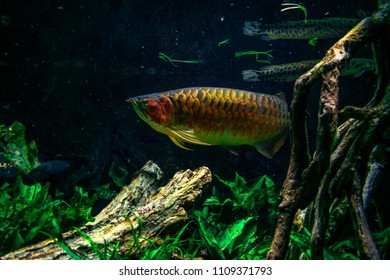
{"x": 281, "y": 96}
{"x": 270, "y": 148}
{"x": 180, "y": 136}
{"x": 267, "y": 67}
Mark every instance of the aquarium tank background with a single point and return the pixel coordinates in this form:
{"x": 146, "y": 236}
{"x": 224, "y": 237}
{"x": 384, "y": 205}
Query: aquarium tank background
{"x": 70, "y": 140}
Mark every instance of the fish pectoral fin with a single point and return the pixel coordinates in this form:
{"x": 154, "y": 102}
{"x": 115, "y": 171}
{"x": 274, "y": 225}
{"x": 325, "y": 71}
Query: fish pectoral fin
{"x": 270, "y": 148}
{"x": 180, "y": 136}
{"x": 179, "y": 143}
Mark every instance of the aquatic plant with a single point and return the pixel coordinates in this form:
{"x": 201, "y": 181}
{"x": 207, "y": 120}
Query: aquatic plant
{"x": 14, "y": 149}
{"x": 313, "y": 41}
{"x": 28, "y": 213}
{"x": 343, "y": 248}
{"x": 105, "y": 251}
{"x": 224, "y": 42}
{"x": 236, "y": 226}
{"x": 118, "y": 174}
{"x": 293, "y": 6}
{"x": 257, "y": 54}
{"x": 232, "y": 223}
{"x": 228, "y": 227}
{"x": 169, "y": 59}
{"x": 175, "y": 247}
{"x": 158, "y": 249}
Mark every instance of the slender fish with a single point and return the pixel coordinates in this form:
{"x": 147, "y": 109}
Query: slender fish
{"x": 321, "y": 28}
{"x": 217, "y": 116}
{"x": 291, "y": 71}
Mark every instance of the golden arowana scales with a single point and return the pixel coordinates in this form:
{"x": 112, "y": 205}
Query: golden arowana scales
{"x": 217, "y": 116}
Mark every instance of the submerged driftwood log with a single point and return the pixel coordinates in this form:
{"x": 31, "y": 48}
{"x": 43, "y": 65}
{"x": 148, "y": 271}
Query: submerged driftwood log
{"x": 338, "y": 163}
{"x": 139, "y": 204}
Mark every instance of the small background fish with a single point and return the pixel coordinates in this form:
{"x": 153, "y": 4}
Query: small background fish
{"x": 321, "y": 28}
{"x": 291, "y": 71}
{"x": 217, "y": 116}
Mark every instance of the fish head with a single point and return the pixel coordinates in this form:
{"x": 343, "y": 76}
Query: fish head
{"x": 155, "y": 110}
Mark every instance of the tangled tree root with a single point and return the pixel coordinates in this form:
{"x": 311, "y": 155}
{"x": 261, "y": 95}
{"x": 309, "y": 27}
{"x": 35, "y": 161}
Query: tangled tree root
{"x": 338, "y": 165}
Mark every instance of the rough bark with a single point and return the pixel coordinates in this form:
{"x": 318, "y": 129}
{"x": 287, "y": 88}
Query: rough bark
{"x": 366, "y": 241}
{"x": 139, "y": 208}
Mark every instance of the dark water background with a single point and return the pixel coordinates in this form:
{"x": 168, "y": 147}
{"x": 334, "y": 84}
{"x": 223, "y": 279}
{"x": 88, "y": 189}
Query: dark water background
{"x": 67, "y": 68}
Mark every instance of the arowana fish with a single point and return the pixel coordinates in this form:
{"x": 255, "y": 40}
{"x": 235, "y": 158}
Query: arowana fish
{"x": 217, "y": 116}
{"x": 320, "y": 28}
{"x": 291, "y": 71}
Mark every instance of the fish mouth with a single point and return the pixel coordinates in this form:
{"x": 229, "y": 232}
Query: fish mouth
{"x": 139, "y": 108}
{"x": 132, "y": 100}
{"x": 135, "y": 102}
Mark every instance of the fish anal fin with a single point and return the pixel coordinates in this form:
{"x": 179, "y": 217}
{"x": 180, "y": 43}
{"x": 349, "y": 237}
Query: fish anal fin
{"x": 270, "y": 148}
{"x": 264, "y": 152}
{"x": 231, "y": 150}
{"x": 278, "y": 144}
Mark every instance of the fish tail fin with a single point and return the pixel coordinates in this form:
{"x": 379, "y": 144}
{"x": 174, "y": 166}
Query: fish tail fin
{"x": 251, "y": 75}
{"x": 251, "y": 28}
{"x": 254, "y": 28}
